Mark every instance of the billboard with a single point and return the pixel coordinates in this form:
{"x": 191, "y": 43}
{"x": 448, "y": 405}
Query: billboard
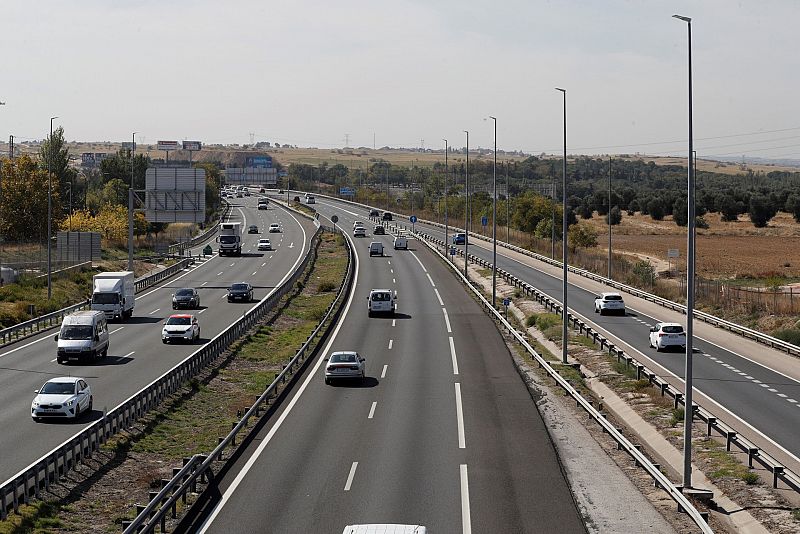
{"x": 127, "y": 145}
{"x": 258, "y": 162}
{"x": 167, "y": 145}
{"x": 175, "y": 195}
{"x": 87, "y": 159}
{"x": 251, "y": 176}
{"x": 192, "y": 145}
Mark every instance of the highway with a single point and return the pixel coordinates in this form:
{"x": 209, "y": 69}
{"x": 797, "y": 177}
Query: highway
{"x": 730, "y": 373}
{"x": 136, "y": 355}
{"x": 442, "y": 432}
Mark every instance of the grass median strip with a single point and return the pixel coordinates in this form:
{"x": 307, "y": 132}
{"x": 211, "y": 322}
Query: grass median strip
{"x": 134, "y": 463}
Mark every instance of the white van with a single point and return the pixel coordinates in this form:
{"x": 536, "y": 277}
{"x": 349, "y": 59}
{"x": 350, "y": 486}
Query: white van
{"x": 401, "y": 241}
{"x": 381, "y": 301}
{"x": 83, "y": 336}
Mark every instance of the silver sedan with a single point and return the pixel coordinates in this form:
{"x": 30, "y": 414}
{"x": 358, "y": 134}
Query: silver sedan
{"x": 345, "y": 364}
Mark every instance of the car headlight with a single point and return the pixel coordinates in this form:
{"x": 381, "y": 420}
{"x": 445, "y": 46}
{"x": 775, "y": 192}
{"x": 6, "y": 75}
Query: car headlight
{"x": 69, "y": 403}
{"x": 35, "y": 404}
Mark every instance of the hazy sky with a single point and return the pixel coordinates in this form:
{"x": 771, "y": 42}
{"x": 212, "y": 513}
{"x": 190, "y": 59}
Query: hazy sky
{"x": 308, "y": 72}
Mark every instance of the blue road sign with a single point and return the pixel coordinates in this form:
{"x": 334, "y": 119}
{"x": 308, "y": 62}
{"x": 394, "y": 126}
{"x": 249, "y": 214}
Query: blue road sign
{"x": 452, "y": 251}
{"x": 413, "y": 219}
{"x": 506, "y": 301}
{"x": 484, "y": 221}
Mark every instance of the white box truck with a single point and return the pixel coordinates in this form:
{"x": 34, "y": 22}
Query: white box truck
{"x": 113, "y": 293}
{"x": 230, "y": 239}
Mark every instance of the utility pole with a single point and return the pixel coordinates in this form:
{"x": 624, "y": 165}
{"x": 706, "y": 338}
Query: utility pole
{"x": 609, "y": 217}
{"x": 130, "y": 204}
{"x": 50, "y": 210}
{"x": 446, "y": 244}
{"x": 508, "y": 205}
{"x": 565, "y": 309}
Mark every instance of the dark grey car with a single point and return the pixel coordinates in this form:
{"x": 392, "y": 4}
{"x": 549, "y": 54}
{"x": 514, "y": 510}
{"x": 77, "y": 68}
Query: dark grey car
{"x": 241, "y": 291}
{"x": 186, "y": 297}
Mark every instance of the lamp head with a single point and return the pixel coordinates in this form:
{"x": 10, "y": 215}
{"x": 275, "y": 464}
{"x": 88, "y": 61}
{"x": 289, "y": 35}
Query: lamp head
{"x": 562, "y": 90}
{"x": 681, "y": 17}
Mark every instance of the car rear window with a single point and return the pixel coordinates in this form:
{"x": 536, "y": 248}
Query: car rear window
{"x": 343, "y": 358}
{"x": 613, "y": 297}
{"x": 672, "y": 329}
{"x": 381, "y": 297}
{"x": 239, "y": 287}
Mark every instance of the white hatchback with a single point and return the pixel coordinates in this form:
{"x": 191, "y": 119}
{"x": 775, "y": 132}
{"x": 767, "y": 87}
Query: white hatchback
{"x": 66, "y": 396}
{"x": 274, "y": 228}
{"x": 264, "y": 244}
{"x": 665, "y": 335}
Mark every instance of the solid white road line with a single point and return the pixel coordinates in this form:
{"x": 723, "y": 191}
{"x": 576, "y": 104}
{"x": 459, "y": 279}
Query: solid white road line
{"x": 438, "y": 296}
{"x": 372, "y": 409}
{"x": 447, "y": 320}
{"x": 431, "y": 279}
{"x": 152, "y": 312}
{"x": 466, "y": 522}
{"x": 420, "y": 263}
{"x": 350, "y": 476}
{"x": 390, "y": 344}
{"x": 254, "y": 458}
{"x": 460, "y": 418}
{"x": 383, "y": 373}
{"x": 453, "y": 355}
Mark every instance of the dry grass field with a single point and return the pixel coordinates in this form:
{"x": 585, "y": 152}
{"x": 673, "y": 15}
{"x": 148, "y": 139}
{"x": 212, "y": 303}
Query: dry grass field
{"x": 724, "y": 250}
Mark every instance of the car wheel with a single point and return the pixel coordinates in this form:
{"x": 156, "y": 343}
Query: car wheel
{"x": 59, "y": 361}
{"x": 91, "y": 403}
{"x": 105, "y": 352}
{"x": 327, "y": 381}
{"x": 174, "y": 307}
{"x": 77, "y": 411}
{"x": 658, "y": 349}
{"x": 35, "y": 419}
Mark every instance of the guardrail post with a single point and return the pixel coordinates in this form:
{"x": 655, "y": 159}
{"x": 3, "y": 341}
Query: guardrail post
{"x": 777, "y": 471}
{"x": 678, "y": 398}
{"x": 710, "y": 425}
{"x": 752, "y": 452}
{"x": 731, "y": 436}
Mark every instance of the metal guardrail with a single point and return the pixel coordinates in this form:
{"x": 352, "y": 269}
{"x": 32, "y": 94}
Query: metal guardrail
{"x": 47, "y": 470}
{"x": 713, "y": 423}
{"x": 743, "y": 331}
{"x": 199, "y": 467}
{"x": 45, "y": 322}
{"x": 659, "y": 478}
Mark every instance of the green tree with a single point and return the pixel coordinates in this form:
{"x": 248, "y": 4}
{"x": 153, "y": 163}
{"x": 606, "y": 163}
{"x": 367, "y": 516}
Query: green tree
{"x": 616, "y": 216}
{"x": 680, "y": 212}
{"x": 793, "y": 206}
{"x": 54, "y": 151}
{"x": 24, "y": 213}
{"x": 761, "y": 210}
{"x": 728, "y": 207}
{"x": 581, "y": 236}
{"x": 656, "y": 209}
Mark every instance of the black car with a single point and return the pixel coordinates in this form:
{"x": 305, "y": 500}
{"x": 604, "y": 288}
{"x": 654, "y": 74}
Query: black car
{"x": 378, "y": 230}
{"x": 186, "y": 297}
{"x": 387, "y": 216}
{"x": 252, "y": 229}
{"x": 374, "y": 213}
{"x": 297, "y": 199}
{"x": 240, "y": 291}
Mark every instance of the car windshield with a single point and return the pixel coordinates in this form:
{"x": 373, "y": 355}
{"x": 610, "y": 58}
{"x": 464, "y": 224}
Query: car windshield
{"x": 185, "y": 321}
{"x": 105, "y": 298}
{"x": 239, "y": 287}
{"x": 273, "y": 226}
{"x": 58, "y": 388}
{"x": 76, "y": 331}
{"x": 227, "y": 239}
{"x": 348, "y": 357}
{"x": 184, "y": 293}
{"x": 264, "y": 242}
{"x": 613, "y": 297}
{"x": 381, "y": 297}
{"x": 672, "y": 329}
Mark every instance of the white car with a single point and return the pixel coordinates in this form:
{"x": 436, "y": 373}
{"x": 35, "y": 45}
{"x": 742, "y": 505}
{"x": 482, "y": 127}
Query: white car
{"x": 665, "y": 335}
{"x": 274, "y": 228}
{"x": 180, "y": 327}
{"x": 384, "y": 528}
{"x": 609, "y": 303}
{"x": 357, "y": 224}
{"x": 345, "y": 364}
{"x": 381, "y": 301}
{"x": 401, "y": 242}
{"x": 264, "y": 244}
{"x": 66, "y": 396}
{"x": 359, "y": 231}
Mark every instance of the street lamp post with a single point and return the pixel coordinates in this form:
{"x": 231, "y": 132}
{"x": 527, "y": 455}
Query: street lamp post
{"x": 508, "y": 205}
{"x": 494, "y": 218}
{"x": 130, "y": 206}
{"x": 446, "y": 243}
{"x": 70, "y": 206}
{"x": 564, "y": 311}
{"x": 609, "y": 217}
{"x": 688, "y": 417}
{"x": 50, "y": 210}
{"x": 466, "y": 211}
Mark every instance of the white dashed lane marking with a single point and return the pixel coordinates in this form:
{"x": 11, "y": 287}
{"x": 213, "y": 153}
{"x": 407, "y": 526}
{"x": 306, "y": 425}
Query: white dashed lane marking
{"x": 350, "y": 476}
{"x": 372, "y": 409}
{"x": 447, "y": 321}
{"x": 438, "y": 296}
{"x": 390, "y": 343}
